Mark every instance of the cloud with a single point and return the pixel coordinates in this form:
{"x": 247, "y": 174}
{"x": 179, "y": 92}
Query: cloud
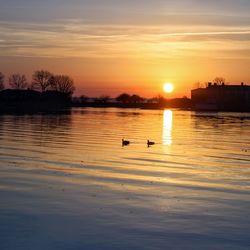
{"x": 132, "y": 12}
{"x": 81, "y": 39}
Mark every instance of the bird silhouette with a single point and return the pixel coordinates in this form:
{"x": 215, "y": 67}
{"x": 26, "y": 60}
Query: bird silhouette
{"x": 125, "y": 142}
{"x": 150, "y": 143}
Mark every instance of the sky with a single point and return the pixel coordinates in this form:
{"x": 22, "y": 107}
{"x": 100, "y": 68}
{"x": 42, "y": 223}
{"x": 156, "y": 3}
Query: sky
{"x": 135, "y": 46}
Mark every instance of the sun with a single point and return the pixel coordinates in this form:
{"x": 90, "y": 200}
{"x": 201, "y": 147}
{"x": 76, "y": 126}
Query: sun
{"x": 168, "y": 87}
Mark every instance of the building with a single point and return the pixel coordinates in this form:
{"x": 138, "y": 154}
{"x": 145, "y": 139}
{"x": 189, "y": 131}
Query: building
{"x": 222, "y": 97}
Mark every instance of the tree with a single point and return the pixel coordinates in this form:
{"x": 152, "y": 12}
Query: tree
{"x": 219, "y": 80}
{"x": 198, "y": 85}
{"x": 1, "y": 81}
{"x": 136, "y": 99}
{"x": 83, "y": 98}
{"x": 153, "y": 100}
{"x": 104, "y": 98}
{"x": 63, "y": 84}
{"x": 124, "y": 98}
{"x": 161, "y": 100}
{"x": 17, "y": 81}
{"x": 41, "y": 80}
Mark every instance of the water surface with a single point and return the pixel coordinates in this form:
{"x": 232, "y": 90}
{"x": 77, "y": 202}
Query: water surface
{"x": 66, "y": 182}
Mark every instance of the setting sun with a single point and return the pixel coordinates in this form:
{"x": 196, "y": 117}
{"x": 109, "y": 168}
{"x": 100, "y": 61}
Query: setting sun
{"x": 168, "y": 87}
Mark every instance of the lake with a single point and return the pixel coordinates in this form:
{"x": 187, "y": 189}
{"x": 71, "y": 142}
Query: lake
{"x": 66, "y": 181}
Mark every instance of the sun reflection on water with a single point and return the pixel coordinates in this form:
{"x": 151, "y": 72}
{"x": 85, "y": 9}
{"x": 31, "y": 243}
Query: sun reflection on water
{"x": 167, "y": 127}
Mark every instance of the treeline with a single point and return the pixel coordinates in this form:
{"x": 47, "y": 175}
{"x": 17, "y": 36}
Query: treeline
{"x": 131, "y": 101}
{"x": 42, "y": 80}
{"x": 123, "y": 98}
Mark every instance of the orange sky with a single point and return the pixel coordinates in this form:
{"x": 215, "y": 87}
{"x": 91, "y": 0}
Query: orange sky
{"x": 128, "y": 47}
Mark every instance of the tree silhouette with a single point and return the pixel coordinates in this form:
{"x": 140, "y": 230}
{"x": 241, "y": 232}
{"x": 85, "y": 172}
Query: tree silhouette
{"x": 161, "y": 100}
{"x": 17, "y": 81}
{"x": 104, "y": 98}
{"x": 41, "y": 80}
{"x": 124, "y": 98}
{"x": 198, "y": 85}
{"x": 136, "y": 99}
{"x": 83, "y": 98}
{"x": 219, "y": 80}
{"x": 1, "y": 81}
{"x": 63, "y": 84}
{"x": 153, "y": 100}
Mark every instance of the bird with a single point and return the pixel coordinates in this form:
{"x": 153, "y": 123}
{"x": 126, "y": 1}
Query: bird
{"x": 150, "y": 143}
{"x": 125, "y": 142}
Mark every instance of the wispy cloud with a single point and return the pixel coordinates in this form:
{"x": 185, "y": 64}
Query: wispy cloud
{"x": 76, "y": 38}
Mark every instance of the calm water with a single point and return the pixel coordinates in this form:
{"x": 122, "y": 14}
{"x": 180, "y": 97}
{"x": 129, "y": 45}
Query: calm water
{"x": 67, "y": 183}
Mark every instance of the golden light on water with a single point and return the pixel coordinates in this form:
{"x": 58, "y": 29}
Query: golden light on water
{"x": 167, "y": 127}
{"x": 168, "y": 87}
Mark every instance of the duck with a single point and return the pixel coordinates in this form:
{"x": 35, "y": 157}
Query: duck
{"x": 150, "y": 143}
{"x": 125, "y": 142}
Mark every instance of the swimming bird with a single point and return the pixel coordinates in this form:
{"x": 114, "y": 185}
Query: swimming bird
{"x": 125, "y": 142}
{"x": 150, "y": 143}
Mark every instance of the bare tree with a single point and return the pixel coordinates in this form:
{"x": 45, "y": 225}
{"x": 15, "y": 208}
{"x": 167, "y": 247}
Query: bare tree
{"x": 219, "y": 80}
{"x": 63, "y": 84}
{"x": 1, "y": 81}
{"x": 41, "y": 80}
{"x": 17, "y": 81}
{"x": 198, "y": 85}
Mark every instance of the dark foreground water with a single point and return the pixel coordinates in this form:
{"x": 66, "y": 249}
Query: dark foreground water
{"x": 67, "y": 183}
